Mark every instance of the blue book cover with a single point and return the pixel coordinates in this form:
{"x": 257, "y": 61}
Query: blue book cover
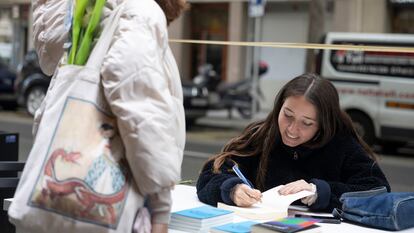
{"x": 202, "y": 212}
{"x": 237, "y": 227}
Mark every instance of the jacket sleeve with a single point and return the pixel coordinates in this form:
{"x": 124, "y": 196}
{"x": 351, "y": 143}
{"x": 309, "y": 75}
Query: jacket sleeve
{"x": 358, "y": 173}
{"x": 137, "y": 89}
{"x": 209, "y": 183}
{"x": 216, "y": 187}
{"x": 49, "y": 33}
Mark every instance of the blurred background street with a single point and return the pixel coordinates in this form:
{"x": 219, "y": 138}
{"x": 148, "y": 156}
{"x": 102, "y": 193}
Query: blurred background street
{"x": 226, "y": 85}
{"x": 207, "y": 137}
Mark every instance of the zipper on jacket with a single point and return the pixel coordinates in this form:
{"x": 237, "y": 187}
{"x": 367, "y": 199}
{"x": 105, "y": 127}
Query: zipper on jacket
{"x": 295, "y": 155}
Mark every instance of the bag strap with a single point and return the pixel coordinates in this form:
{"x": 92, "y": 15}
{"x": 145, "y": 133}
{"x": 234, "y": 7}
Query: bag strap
{"x": 102, "y": 46}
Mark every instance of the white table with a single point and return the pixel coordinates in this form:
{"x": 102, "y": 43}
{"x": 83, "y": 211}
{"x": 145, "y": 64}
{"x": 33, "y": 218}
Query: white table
{"x": 185, "y": 197}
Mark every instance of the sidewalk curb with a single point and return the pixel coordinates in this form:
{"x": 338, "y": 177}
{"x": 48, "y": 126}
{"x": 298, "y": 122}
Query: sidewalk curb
{"x": 18, "y": 118}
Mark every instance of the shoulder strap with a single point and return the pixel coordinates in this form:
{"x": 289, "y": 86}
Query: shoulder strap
{"x": 102, "y": 46}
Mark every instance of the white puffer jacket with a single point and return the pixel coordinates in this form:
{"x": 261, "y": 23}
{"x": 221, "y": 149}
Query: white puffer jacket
{"x": 142, "y": 84}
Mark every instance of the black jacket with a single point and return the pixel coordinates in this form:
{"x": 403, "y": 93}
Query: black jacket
{"x": 338, "y": 167}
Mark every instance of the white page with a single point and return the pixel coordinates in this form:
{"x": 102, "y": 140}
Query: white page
{"x": 273, "y": 205}
{"x": 272, "y": 198}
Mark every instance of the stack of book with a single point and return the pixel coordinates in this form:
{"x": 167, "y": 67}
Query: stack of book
{"x": 199, "y": 219}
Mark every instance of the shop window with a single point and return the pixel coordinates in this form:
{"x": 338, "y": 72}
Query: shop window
{"x": 209, "y": 22}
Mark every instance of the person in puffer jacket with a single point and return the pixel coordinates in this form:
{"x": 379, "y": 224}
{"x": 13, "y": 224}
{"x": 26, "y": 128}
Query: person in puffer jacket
{"x": 142, "y": 85}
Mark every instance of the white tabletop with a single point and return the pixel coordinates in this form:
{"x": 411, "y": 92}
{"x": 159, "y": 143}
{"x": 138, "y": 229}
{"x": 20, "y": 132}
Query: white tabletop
{"x": 185, "y": 197}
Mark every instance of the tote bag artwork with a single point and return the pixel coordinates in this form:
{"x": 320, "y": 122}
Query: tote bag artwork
{"x": 85, "y": 178}
{"x": 76, "y": 178}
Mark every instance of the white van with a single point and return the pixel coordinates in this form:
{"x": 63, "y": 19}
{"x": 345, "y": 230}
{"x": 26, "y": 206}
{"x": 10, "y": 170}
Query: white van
{"x": 376, "y": 88}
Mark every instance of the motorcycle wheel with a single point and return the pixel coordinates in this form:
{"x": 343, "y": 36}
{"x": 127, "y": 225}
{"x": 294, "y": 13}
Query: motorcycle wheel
{"x": 34, "y": 98}
{"x": 246, "y": 113}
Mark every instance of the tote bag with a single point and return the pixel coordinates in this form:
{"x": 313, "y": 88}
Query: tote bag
{"x": 76, "y": 178}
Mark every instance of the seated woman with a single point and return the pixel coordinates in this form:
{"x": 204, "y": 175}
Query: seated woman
{"x": 306, "y": 143}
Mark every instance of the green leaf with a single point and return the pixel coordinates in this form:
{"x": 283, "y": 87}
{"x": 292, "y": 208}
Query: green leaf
{"x": 76, "y": 27}
{"x": 85, "y": 47}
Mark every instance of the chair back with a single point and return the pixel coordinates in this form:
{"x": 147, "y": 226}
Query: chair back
{"x": 8, "y": 183}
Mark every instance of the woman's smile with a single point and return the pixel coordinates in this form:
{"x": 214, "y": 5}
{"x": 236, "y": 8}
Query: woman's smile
{"x": 297, "y": 121}
{"x": 290, "y": 140}
{"x": 291, "y": 136}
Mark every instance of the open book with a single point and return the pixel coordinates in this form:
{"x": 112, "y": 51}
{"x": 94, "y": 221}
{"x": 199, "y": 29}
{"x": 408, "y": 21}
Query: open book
{"x": 273, "y": 205}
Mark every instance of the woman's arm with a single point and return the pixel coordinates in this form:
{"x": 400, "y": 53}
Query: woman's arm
{"x": 358, "y": 172}
{"x": 149, "y": 116}
{"x": 209, "y": 183}
{"x": 49, "y": 32}
{"x": 217, "y": 187}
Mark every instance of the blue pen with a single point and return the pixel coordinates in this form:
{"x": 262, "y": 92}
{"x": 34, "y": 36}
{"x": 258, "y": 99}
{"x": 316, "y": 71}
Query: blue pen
{"x": 241, "y": 176}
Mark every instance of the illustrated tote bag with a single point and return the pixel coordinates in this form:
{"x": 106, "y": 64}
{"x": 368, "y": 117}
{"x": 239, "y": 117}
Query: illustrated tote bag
{"x": 76, "y": 178}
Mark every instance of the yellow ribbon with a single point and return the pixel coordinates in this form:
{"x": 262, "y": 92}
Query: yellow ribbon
{"x": 301, "y": 45}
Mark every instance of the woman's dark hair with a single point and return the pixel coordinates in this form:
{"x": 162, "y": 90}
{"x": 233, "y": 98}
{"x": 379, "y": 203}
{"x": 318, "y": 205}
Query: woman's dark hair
{"x": 172, "y": 8}
{"x": 258, "y": 138}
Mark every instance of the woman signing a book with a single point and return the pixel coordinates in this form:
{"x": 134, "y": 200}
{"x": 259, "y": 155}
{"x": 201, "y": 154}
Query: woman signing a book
{"x": 306, "y": 143}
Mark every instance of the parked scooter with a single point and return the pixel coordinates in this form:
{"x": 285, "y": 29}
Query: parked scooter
{"x": 230, "y": 96}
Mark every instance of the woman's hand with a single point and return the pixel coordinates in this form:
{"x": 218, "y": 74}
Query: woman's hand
{"x": 243, "y": 195}
{"x": 295, "y": 187}
{"x": 298, "y": 186}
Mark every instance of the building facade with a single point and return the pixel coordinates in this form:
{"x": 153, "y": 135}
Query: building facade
{"x": 15, "y": 31}
{"x": 228, "y": 20}
{"x": 283, "y": 21}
